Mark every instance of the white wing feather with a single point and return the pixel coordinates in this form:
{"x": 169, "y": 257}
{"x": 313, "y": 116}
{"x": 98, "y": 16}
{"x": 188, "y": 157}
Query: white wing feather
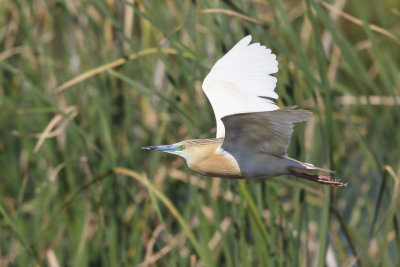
{"x": 238, "y": 79}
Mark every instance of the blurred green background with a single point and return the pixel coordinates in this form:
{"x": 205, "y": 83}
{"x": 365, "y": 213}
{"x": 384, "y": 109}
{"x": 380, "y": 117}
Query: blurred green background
{"x": 85, "y": 84}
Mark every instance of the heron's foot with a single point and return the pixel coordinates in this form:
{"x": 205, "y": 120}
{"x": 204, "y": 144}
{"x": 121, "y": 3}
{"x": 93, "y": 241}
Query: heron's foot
{"x": 322, "y": 179}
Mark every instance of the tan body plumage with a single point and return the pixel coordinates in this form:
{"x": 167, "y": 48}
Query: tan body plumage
{"x": 212, "y": 160}
{"x": 208, "y": 158}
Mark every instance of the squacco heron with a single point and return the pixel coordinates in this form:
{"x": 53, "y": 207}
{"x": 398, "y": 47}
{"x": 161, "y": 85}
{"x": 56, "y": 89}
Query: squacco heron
{"x": 253, "y": 133}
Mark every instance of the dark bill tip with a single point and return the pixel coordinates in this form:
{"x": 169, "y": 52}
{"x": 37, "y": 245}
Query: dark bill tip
{"x": 161, "y": 148}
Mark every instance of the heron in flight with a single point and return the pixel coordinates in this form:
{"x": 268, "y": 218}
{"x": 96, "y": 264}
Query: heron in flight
{"x": 253, "y": 133}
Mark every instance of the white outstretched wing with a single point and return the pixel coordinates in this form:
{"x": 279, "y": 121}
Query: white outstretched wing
{"x": 239, "y": 79}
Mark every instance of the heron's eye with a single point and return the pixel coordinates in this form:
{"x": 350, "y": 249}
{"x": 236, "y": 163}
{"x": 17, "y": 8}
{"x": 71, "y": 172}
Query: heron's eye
{"x": 181, "y": 147}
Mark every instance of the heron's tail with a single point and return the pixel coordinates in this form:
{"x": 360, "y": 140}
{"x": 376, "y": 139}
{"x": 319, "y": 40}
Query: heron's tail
{"x": 310, "y": 172}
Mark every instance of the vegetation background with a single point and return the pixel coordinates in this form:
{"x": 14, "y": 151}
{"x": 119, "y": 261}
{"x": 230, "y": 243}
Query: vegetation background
{"x": 85, "y": 84}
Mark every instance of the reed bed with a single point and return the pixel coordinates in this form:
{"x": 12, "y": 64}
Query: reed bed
{"x": 85, "y": 84}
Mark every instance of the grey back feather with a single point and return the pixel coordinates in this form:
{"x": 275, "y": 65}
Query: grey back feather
{"x": 268, "y": 131}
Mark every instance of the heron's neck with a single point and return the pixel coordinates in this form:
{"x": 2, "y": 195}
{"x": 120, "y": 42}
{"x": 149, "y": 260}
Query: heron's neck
{"x": 203, "y": 148}
{"x": 209, "y": 159}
